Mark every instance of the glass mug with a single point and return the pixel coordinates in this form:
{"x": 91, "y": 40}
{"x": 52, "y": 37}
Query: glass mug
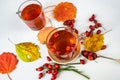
{"x": 63, "y": 45}
{"x": 32, "y": 14}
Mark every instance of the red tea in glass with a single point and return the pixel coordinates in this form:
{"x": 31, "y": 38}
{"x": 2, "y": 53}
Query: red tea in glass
{"x": 32, "y": 14}
{"x": 63, "y": 45}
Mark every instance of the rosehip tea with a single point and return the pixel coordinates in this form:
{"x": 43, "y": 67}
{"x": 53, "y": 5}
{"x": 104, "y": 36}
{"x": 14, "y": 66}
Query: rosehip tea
{"x": 32, "y": 14}
{"x": 63, "y": 45}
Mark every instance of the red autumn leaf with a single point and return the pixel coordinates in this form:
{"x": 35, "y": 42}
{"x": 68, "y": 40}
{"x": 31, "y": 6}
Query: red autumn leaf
{"x": 8, "y": 62}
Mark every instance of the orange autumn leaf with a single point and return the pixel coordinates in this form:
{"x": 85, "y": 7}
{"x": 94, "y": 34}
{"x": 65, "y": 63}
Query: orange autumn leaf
{"x": 65, "y": 11}
{"x": 8, "y": 62}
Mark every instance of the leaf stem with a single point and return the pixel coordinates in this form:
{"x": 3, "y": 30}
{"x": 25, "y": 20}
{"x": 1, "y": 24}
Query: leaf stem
{"x": 9, "y": 77}
{"x": 11, "y": 41}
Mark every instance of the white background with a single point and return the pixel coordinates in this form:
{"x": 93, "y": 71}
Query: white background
{"x": 107, "y": 12}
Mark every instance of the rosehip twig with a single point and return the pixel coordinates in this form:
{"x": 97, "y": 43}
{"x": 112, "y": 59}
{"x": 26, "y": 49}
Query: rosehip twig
{"x": 116, "y": 60}
{"x": 71, "y": 68}
{"x": 55, "y": 68}
{"x": 77, "y": 63}
{"x": 107, "y": 31}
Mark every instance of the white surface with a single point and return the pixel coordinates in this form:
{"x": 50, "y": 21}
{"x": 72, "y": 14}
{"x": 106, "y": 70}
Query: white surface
{"x": 108, "y": 13}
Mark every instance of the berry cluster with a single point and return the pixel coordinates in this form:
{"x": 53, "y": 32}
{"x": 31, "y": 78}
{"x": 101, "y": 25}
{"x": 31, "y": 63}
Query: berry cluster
{"x": 93, "y": 27}
{"x": 55, "y": 68}
{"x": 89, "y": 55}
{"x": 49, "y": 69}
{"x": 69, "y": 23}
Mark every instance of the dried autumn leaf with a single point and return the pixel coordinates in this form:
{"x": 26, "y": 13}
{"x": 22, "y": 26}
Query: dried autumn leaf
{"x": 27, "y": 51}
{"x": 94, "y": 43}
{"x": 42, "y": 35}
{"x": 8, "y": 62}
{"x": 65, "y": 11}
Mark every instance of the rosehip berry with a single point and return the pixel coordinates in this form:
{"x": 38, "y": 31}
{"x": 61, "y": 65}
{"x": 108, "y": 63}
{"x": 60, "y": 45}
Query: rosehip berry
{"x": 40, "y": 75}
{"x": 58, "y": 52}
{"x": 91, "y": 27}
{"x": 99, "y": 31}
{"x": 69, "y": 23}
{"x": 72, "y": 46}
{"x": 93, "y": 16}
{"x": 46, "y": 65}
{"x": 51, "y": 43}
{"x": 103, "y": 47}
{"x": 56, "y": 35}
{"x": 54, "y": 72}
{"x": 53, "y": 77}
{"x": 49, "y": 71}
{"x": 95, "y": 21}
{"x": 90, "y": 53}
{"x": 57, "y": 66}
{"x": 82, "y": 61}
{"x": 91, "y": 19}
{"x": 90, "y": 57}
{"x": 94, "y": 56}
{"x": 85, "y": 53}
{"x": 87, "y": 33}
{"x": 48, "y": 58}
{"x": 73, "y": 20}
{"x": 39, "y": 69}
{"x": 50, "y": 66}
{"x": 91, "y": 33}
{"x": 52, "y": 49}
{"x": 68, "y": 48}
{"x": 97, "y": 25}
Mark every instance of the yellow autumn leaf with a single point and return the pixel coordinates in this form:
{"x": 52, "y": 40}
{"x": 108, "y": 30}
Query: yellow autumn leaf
{"x": 27, "y": 51}
{"x": 94, "y": 43}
